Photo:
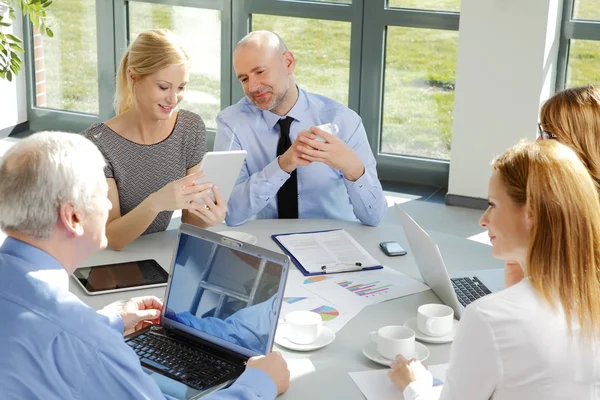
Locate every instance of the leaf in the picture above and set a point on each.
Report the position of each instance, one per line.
(49, 33)
(5, 24)
(9, 76)
(14, 38)
(16, 47)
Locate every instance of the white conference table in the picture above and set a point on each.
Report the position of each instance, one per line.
(331, 364)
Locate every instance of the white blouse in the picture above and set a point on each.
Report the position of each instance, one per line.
(511, 345)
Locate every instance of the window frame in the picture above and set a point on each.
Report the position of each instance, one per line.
(369, 20)
(572, 29)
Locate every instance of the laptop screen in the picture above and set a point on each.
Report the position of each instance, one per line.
(228, 296)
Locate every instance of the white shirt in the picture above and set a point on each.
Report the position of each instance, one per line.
(512, 345)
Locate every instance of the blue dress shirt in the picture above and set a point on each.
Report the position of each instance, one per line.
(323, 192)
(54, 346)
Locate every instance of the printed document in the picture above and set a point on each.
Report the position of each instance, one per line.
(332, 249)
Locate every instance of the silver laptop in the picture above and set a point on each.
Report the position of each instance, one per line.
(221, 307)
(456, 292)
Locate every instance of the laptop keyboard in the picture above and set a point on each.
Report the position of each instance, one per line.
(176, 360)
(468, 290)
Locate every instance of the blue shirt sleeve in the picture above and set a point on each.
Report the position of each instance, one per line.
(251, 385)
(113, 318)
(251, 193)
(366, 194)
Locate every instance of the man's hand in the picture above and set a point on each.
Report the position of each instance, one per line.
(291, 159)
(140, 312)
(333, 152)
(275, 366)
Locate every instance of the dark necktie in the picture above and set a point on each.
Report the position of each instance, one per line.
(287, 196)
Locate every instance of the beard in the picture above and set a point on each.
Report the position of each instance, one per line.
(276, 100)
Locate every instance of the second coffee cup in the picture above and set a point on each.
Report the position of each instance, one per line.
(393, 340)
(303, 327)
(435, 319)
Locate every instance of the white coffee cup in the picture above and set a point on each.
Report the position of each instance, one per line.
(393, 340)
(435, 319)
(303, 327)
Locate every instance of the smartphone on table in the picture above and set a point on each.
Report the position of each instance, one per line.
(392, 248)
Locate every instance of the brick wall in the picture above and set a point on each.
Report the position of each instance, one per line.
(40, 69)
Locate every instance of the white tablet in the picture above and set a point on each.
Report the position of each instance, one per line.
(222, 168)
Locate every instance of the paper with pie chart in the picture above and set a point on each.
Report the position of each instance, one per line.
(297, 297)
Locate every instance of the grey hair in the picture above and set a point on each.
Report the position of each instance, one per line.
(266, 38)
(42, 172)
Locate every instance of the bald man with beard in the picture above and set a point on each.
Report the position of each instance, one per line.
(294, 169)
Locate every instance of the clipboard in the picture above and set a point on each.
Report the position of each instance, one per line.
(333, 270)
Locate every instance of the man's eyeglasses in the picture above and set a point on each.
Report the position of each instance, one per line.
(544, 135)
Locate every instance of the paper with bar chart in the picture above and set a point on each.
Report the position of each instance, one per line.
(298, 297)
(360, 289)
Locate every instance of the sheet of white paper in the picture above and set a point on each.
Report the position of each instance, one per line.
(299, 367)
(298, 297)
(376, 385)
(333, 249)
(360, 289)
(482, 237)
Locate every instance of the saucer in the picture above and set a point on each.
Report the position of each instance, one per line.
(412, 324)
(370, 351)
(327, 336)
(241, 236)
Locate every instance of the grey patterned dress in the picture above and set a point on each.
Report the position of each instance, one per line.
(140, 170)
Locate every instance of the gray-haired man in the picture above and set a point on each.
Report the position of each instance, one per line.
(54, 207)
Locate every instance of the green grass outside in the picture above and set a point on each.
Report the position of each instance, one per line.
(420, 67)
(71, 57)
(144, 16)
(587, 9)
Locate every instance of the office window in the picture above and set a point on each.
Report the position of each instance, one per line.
(200, 32)
(584, 63)
(442, 5)
(586, 9)
(321, 49)
(418, 97)
(66, 66)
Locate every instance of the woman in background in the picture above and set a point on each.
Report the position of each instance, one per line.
(572, 117)
(153, 151)
(540, 338)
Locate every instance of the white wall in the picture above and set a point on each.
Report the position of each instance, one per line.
(506, 67)
(13, 99)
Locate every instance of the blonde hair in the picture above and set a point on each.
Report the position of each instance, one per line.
(573, 115)
(150, 52)
(563, 256)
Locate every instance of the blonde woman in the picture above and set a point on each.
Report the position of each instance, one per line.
(540, 338)
(153, 151)
(572, 117)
